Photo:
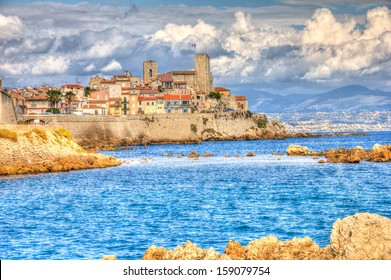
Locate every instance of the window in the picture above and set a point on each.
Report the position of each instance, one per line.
(147, 103)
(184, 110)
(139, 103)
(152, 103)
(125, 99)
(150, 73)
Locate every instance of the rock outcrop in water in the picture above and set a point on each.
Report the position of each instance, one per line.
(363, 236)
(27, 149)
(377, 154)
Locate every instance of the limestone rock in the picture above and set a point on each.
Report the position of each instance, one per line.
(345, 155)
(363, 236)
(296, 150)
(380, 153)
(190, 251)
(250, 154)
(154, 253)
(234, 250)
(109, 258)
(207, 155)
(193, 154)
(265, 248)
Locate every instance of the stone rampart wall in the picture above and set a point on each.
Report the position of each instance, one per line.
(7, 109)
(181, 128)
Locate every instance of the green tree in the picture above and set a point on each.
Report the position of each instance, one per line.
(87, 91)
(69, 96)
(53, 96)
(214, 94)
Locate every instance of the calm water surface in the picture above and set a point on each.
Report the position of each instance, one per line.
(167, 201)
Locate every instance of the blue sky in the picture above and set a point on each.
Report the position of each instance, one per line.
(280, 46)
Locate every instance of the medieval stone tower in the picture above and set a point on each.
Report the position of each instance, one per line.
(203, 74)
(150, 71)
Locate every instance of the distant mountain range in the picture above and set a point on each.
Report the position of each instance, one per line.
(348, 98)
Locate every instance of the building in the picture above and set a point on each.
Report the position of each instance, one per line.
(149, 71)
(199, 79)
(242, 103)
(115, 106)
(129, 100)
(222, 91)
(36, 105)
(147, 104)
(77, 89)
(203, 73)
(96, 107)
(177, 103)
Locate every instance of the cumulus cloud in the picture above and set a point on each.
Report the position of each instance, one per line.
(182, 37)
(10, 27)
(91, 67)
(44, 65)
(269, 45)
(113, 65)
(341, 49)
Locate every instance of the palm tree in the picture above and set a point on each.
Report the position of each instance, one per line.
(53, 96)
(87, 91)
(69, 96)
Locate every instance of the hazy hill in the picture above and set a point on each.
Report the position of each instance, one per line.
(348, 98)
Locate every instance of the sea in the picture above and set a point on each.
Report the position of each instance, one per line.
(152, 199)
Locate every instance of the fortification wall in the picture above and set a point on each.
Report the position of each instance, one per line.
(182, 128)
(7, 109)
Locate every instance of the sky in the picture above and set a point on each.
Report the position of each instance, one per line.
(279, 46)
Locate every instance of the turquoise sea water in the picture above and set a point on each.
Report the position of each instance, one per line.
(166, 201)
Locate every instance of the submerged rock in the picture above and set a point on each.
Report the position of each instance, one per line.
(193, 154)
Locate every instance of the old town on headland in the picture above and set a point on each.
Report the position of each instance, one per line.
(179, 91)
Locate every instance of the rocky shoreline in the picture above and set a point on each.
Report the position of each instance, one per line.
(363, 236)
(378, 153)
(37, 150)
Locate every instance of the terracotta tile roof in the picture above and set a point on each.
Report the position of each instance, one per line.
(221, 89)
(97, 101)
(126, 88)
(146, 98)
(177, 97)
(72, 86)
(241, 98)
(180, 83)
(149, 91)
(115, 99)
(165, 78)
(37, 98)
(111, 81)
(93, 106)
(182, 72)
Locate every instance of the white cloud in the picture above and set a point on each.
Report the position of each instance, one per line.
(181, 37)
(91, 67)
(284, 44)
(341, 49)
(45, 65)
(113, 65)
(10, 27)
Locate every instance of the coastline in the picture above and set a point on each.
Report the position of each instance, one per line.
(44, 149)
(363, 236)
